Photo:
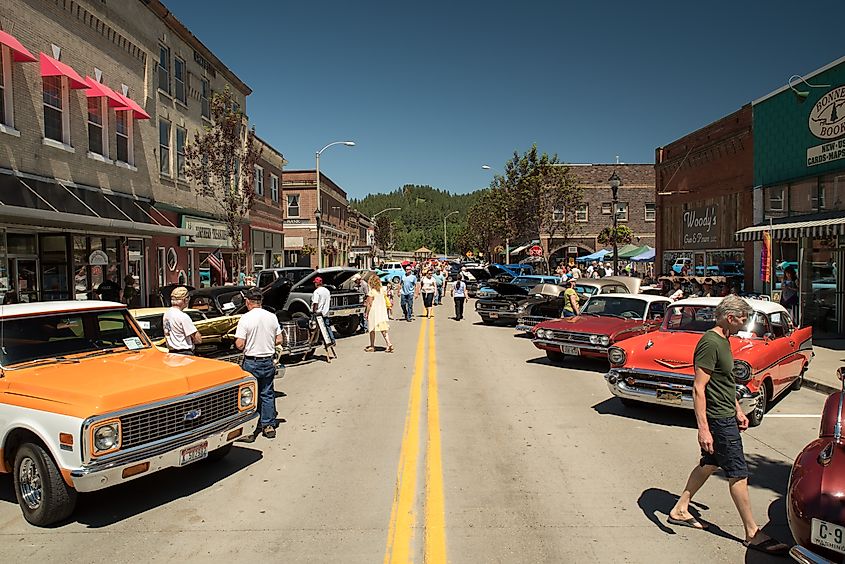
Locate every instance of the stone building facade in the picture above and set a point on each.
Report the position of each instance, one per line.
(266, 219)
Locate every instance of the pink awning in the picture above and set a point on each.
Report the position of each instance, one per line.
(52, 67)
(19, 52)
(130, 104)
(97, 90)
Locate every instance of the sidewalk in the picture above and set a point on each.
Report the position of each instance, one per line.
(830, 355)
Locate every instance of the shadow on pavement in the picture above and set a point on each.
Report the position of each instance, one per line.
(650, 413)
(778, 528)
(656, 504)
(577, 363)
(112, 505)
(766, 473)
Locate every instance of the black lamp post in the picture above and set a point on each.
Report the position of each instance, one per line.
(615, 183)
(318, 215)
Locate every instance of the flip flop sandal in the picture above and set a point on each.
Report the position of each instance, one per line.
(768, 546)
(389, 349)
(369, 349)
(692, 523)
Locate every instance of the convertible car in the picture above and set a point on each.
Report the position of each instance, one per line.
(771, 356)
(215, 330)
(605, 320)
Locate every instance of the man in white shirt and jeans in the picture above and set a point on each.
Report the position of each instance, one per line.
(257, 334)
(321, 301)
(179, 331)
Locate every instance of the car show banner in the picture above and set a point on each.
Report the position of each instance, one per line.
(766, 257)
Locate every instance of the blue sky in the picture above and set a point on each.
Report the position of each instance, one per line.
(430, 91)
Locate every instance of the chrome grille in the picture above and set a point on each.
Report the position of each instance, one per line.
(346, 300)
(293, 335)
(533, 320)
(165, 421)
(658, 380)
(568, 337)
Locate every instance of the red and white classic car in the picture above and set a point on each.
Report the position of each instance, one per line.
(770, 357)
(605, 319)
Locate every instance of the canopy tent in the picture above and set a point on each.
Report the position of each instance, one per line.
(627, 251)
(647, 256)
(598, 255)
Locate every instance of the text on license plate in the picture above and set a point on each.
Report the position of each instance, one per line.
(193, 453)
(669, 396)
(570, 350)
(828, 535)
(494, 315)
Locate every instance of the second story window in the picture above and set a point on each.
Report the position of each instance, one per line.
(259, 181)
(650, 211)
(164, 147)
(622, 211)
(558, 215)
(181, 136)
(123, 134)
(582, 213)
(164, 68)
(205, 94)
(274, 187)
(606, 208)
(55, 127)
(96, 132)
(293, 205)
(776, 198)
(4, 92)
(179, 80)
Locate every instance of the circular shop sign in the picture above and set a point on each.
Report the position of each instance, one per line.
(827, 118)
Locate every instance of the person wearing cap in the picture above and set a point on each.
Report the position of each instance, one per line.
(707, 290)
(179, 331)
(257, 334)
(409, 290)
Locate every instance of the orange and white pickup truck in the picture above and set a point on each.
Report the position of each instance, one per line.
(87, 402)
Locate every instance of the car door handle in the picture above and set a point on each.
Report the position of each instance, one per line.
(791, 343)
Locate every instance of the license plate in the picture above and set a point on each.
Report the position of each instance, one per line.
(494, 316)
(570, 350)
(828, 535)
(669, 396)
(193, 453)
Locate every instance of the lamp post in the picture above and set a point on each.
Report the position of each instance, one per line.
(615, 183)
(319, 203)
(445, 250)
(507, 239)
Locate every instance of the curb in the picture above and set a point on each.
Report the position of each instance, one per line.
(820, 387)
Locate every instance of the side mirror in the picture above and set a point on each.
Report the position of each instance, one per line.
(840, 373)
(768, 336)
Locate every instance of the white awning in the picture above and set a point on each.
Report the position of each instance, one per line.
(808, 228)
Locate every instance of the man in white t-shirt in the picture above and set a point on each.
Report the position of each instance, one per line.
(321, 301)
(575, 272)
(257, 334)
(179, 331)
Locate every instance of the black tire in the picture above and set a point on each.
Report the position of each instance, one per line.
(487, 321)
(799, 382)
(759, 411)
(299, 315)
(395, 279)
(219, 454)
(555, 356)
(348, 326)
(44, 497)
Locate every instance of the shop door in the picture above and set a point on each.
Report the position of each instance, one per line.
(700, 269)
(24, 276)
(135, 268)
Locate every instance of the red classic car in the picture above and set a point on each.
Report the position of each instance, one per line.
(814, 505)
(605, 319)
(770, 357)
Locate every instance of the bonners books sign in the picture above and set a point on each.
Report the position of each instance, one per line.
(206, 233)
(700, 227)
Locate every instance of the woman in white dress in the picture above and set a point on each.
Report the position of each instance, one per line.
(428, 286)
(376, 312)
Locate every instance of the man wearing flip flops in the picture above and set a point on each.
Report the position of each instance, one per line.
(720, 421)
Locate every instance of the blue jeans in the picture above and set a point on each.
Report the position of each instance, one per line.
(408, 306)
(264, 370)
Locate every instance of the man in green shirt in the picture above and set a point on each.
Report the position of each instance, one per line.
(720, 420)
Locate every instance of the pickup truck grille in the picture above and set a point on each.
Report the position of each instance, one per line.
(344, 300)
(149, 425)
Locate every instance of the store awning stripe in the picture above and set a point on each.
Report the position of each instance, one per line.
(815, 228)
(19, 52)
(69, 191)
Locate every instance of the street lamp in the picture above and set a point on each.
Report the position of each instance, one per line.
(445, 250)
(319, 203)
(615, 183)
(507, 239)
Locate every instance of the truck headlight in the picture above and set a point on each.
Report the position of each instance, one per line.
(616, 356)
(105, 437)
(741, 371)
(540, 333)
(246, 396)
(512, 307)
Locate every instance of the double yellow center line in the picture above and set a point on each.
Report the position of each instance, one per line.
(400, 548)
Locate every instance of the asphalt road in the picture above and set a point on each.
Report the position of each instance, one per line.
(466, 445)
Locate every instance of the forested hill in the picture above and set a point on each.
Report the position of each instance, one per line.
(420, 221)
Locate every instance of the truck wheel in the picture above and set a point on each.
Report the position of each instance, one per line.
(395, 279)
(298, 315)
(555, 356)
(487, 321)
(348, 326)
(42, 493)
(759, 411)
(219, 453)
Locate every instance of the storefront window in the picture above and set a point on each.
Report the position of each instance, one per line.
(775, 201)
(833, 192)
(820, 309)
(54, 268)
(94, 260)
(21, 244)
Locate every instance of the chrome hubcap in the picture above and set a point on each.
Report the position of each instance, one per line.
(760, 410)
(30, 483)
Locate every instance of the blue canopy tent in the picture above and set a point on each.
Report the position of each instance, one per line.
(647, 256)
(598, 255)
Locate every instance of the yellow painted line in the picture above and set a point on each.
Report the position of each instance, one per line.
(402, 518)
(435, 515)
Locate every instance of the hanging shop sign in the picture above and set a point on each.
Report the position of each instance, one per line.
(699, 227)
(205, 233)
(98, 258)
(827, 121)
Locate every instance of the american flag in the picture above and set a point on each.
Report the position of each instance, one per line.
(216, 261)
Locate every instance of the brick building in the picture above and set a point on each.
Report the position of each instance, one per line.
(97, 105)
(266, 219)
(299, 188)
(361, 239)
(636, 208)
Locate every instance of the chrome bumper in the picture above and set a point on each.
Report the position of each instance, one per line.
(806, 556)
(622, 389)
(99, 475)
(346, 311)
(580, 346)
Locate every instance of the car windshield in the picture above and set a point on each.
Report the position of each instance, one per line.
(295, 275)
(526, 281)
(698, 319)
(629, 308)
(586, 290)
(27, 339)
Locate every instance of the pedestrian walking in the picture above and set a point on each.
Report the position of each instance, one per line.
(720, 420)
(321, 301)
(180, 333)
(408, 291)
(257, 335)
(438, 282)
(789, 291)
(364, 288)
(428, 287)
(376, 311)
(391, 298)
(459, 293)
(677, 291)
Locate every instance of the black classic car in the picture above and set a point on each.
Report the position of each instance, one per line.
(504, 306)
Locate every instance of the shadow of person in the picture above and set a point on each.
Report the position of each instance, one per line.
(777, 527)
(656, 505)
(766, 473)
(657, 414)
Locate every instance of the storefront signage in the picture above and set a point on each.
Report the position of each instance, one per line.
(206, 233)
(826, 152)
(827, 118)
(360, 249)
(294, 242)
(699, 228)
(98, 258)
